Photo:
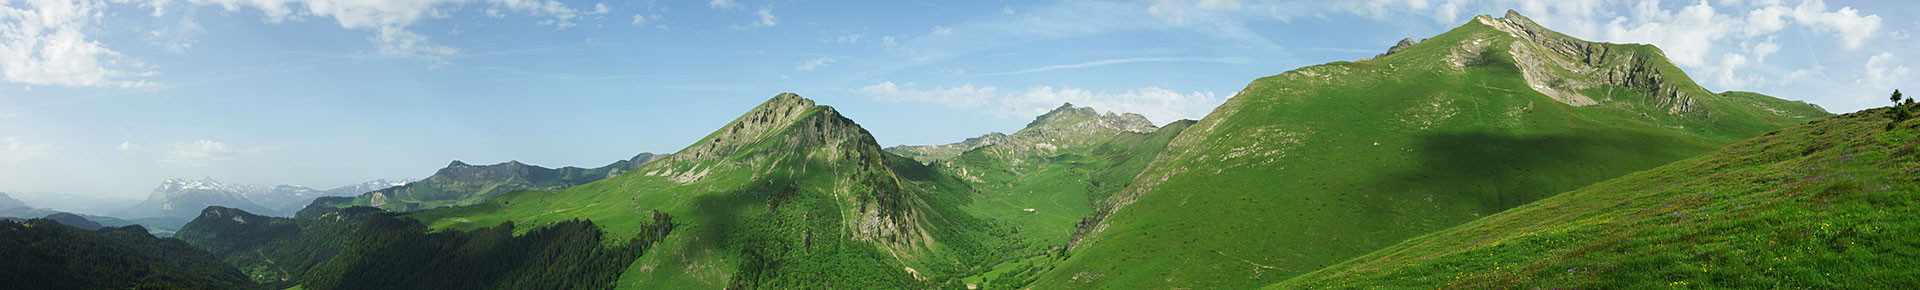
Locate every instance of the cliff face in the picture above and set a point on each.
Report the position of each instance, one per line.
(1560, 66)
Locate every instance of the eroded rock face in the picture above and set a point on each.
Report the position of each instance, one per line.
(1560, 66)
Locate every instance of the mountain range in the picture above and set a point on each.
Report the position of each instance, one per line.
(1340, 159)
(7, 202)
(1499, 154)
(184, 198)
(462, 184)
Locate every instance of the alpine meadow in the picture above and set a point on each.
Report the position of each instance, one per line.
(958, 145)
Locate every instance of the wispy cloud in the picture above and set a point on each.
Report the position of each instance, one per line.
(17, 151)
(202, 152)
(963, 97)
(390, 21)
(1107, 62)
(815, 63)
(766, 20)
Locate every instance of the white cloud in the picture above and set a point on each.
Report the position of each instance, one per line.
(962, 97)
(46, 43)
(177, 38)
(723, 4)
(599, 8)
(17, 151)
(1853, 28)
(1219, 5)
(639, 19)
(1687, 36)
(389, 20)
(396, 41)
(850, 38)
(942, 30)
(1882, 73)
(1157, 104)
(1763, 49)
(128, 146)
(815, 63)
(766, 18)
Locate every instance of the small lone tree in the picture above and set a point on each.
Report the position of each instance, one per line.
(1899, 111)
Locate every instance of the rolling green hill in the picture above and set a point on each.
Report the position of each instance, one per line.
(462, 184)
(1823, 205)
(789, 195)
(1324, 163)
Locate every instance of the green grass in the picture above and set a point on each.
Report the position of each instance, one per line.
(1061, 185)
(1316, 166)
(789, 208)
(1824, 205)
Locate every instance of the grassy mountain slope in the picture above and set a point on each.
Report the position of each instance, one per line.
(45, 254)
(1823, 205)
(1058, 166)
(789, 195)
(1321, 164)
(462, 184)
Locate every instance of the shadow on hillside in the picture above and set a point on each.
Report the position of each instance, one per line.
(1495, 172)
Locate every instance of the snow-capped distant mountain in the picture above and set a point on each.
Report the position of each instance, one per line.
(185, 198)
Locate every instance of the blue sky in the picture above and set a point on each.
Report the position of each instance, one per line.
(109, 97)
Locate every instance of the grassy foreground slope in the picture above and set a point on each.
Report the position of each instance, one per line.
(1824, 205)
(789, 195)
(1321, 164)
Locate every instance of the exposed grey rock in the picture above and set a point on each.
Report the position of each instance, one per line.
(1559, 66)
(1397, 47)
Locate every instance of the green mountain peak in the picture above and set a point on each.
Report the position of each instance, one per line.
(1337, 160)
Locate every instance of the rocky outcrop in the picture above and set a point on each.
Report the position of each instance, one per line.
(780, 111)
(1397, 47)
(1560, 66)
